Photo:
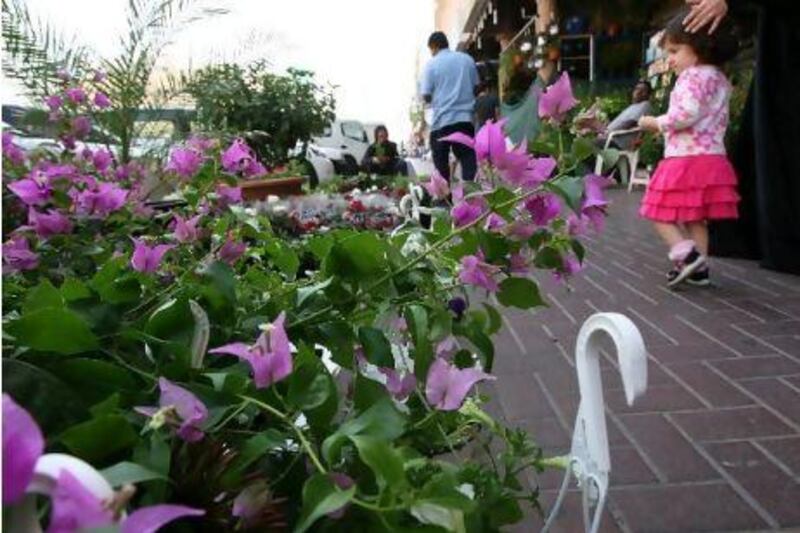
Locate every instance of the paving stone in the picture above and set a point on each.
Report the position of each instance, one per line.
(752, 367)
(786, 450)
(569, 519)
(689, 352)
(522, 397)
(788, 343)
(705, 382)
(655, 377)
(657, 399)
(672, 455)
(628, 468)
(708, 507)
(772, 328)
(775, 491)
(734, 423)
(777, 395)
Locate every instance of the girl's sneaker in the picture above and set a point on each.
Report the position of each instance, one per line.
(698, 278)
(693, 262)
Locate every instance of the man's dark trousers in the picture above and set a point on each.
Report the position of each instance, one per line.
(464, 154)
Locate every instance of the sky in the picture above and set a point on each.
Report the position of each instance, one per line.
(368, 48)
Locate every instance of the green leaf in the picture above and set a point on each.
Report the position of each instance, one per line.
(74, 289)
(219, 287)
(522, 293)
(99, 438)
(382, 421)
(577, 247)
(437, 515)
(500, 196)
(320, 246)
(548, 257)
(367, 392)
(127, 472)
(582, 148)
(376, 346)
(304, 293)
(308, 388)
(495, 319)
(570, 188)
(610, 157)
(382, 458)
(115, 283)
(356, 258)
(320, 497)
(54, 330)
(251, 451)
(283, 257)
(95, 378)
(42, 296)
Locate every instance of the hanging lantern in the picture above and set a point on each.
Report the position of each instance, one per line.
(494, 17)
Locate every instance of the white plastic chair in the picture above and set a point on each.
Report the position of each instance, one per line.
(635, 176)
(589, 457)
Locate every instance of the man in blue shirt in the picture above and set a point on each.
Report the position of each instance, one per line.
(448, 85)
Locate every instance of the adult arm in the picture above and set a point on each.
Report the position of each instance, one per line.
(705, 13)
(368, 155)
(426, 84)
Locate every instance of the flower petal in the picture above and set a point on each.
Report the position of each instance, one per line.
(151, 519)
(23, 444)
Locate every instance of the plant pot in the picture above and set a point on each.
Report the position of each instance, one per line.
(260, 189)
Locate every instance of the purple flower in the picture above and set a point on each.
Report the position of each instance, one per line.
(543, 208)
(448, 385)
(100, 200)
(228, 195)
(23, 444)
(475, 272)
(467, 211)
(33, 190)
(254, 169)
(557, 99)
(101, 160)
(186, 230)
(63, 75)
(17, 256)
(447, 347)
(399, 387)
(537, 171)
(270, 357)
(54, 102)
(76, 95)
(494, 222)
(437, 187)
(518, 264)
(576, 224)
(236, 157)
(99, 76)
(101, 100)
(68, 141)
(147, 259)
(343, 482)
(185, 162)
(48, 224)
(569, 267)
(520, 230)
(200, 144)
(11, 151)
(182, 408)
(55, 172)
(457, 305)
(75, 508)
(231, 251)
(80, 127)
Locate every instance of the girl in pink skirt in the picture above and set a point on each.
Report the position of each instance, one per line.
(695, 182)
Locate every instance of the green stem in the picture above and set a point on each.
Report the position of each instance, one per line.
(230, 417)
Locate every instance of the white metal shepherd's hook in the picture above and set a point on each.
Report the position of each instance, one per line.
(589, 455)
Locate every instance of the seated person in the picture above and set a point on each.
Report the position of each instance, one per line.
(381, 157)
(629, 117)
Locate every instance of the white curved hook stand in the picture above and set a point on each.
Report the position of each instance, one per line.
(589, 455)
(411, 204)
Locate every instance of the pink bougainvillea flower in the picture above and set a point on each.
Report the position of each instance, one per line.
(236, 157)
(200, 143)
(11, 151)
(48, 224)
(557, 99)
(80, 127)
(537, 171)
(467, 211)
(23, 444)
(570, 265)
(494, 222)
(228, 195)
(447, 385)
(18, 256)
(32, 190)
(185, 162)
(231, 251)
(437, 187)
(75, 508)
(101, 100)
(343, 482)
(543, 208)
(182, 408)
(147, 259)
(270, 357)
(99, 200)
(254, 169)
(56, 172)
(186, 230)
(102, 159)
(400, 386)
(99, 76)
(447, 347)
(520, 230)
(68, 141)
(593, 185)
(54, 102)
(474, 271)
(76, 95)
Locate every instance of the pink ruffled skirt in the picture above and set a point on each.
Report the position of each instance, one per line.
(690, 189)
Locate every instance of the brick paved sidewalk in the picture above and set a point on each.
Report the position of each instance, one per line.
(714, 445)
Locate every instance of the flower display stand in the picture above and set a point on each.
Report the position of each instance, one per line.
(261, 189)
(589, 455)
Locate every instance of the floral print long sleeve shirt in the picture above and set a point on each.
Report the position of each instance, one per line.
(697, 117)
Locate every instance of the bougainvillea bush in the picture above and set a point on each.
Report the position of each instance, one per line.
(220, 375)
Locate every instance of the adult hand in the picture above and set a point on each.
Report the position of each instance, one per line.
(649, 123)
(703, 13)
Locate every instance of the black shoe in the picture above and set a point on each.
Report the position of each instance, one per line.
(698, 278)
(691, 264)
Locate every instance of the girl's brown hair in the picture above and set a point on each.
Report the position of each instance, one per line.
(715, 49)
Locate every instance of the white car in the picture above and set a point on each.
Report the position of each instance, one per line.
(349, 140)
